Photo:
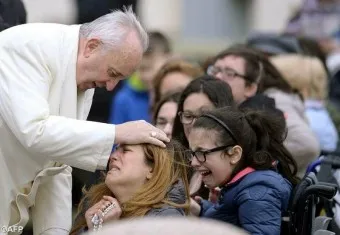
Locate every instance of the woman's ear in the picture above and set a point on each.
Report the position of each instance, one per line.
(235, 154)
(149, 174)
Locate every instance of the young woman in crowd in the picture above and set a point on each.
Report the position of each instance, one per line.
(243, 154)
(165, 113)
(202, 94)
(142, 180)
(173, 77)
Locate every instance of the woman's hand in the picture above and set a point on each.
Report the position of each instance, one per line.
(195, 207)
(214, 194)
(195, 183)
(99, 208)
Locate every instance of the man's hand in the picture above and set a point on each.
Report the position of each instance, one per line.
(139, 132)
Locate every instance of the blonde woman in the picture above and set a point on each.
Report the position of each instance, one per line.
(308, 76)
(142, 180)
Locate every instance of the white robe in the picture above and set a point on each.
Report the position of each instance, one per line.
(42, 127)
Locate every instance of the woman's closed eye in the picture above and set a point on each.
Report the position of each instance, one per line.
(161, 121)
(125, 149)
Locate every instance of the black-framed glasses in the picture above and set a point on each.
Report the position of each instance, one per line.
(187, 118)
(201, 155)
(227, 73)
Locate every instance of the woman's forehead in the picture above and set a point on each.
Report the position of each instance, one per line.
(203, 138)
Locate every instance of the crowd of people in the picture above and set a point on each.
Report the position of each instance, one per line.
(226, 139)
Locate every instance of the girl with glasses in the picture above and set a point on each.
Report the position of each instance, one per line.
(202, 94)
(243, 154)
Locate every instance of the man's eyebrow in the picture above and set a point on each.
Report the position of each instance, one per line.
(116, 71)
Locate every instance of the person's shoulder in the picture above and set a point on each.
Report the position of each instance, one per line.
(125, 94)
(32, 28)
(166, 211)
(281, 96)
(25, 35)
(266, 180)
(264, 176)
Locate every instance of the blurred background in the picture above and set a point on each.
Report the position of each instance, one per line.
(196, 28)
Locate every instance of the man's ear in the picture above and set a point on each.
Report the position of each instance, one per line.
(235, 154)
(91, 46)
(250, 90)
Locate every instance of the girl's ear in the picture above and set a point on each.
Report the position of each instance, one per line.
(235, 154)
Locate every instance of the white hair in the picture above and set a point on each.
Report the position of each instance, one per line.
(113, 28)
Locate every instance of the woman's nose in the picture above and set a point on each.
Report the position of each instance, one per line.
(115, 155)
(194, 162)
(168, 129)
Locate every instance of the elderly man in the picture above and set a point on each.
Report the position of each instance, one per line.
(46, 75)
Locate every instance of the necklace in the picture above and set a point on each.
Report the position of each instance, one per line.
(98, 221)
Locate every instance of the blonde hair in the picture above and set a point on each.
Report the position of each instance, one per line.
(303, 73)
(169, 166)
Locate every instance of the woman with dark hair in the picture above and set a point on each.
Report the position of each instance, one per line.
(243, 154)
(202, 94)
(249, 73)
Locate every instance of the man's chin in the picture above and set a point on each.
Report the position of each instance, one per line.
(82, 88)
(86, 87)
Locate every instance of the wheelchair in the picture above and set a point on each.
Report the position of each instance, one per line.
(302, 217)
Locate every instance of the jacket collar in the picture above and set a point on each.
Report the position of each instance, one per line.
(240, 175)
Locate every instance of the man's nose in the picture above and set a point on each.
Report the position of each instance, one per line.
(219, 75)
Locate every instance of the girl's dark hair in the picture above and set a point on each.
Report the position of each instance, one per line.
(172, 97)
(258, 68)
(218, 92)
(260, 135)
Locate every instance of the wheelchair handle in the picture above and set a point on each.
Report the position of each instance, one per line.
(320, 190)
(334, 162)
